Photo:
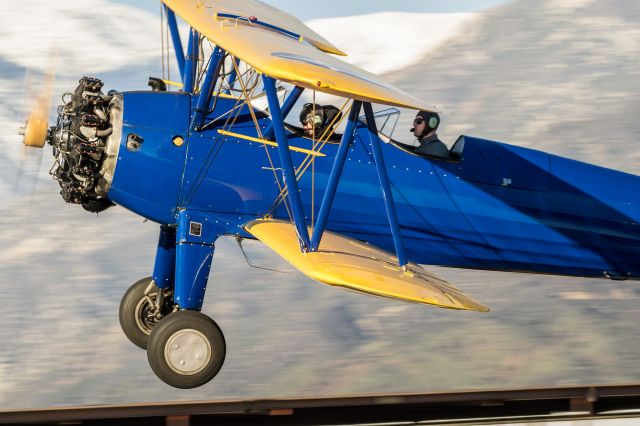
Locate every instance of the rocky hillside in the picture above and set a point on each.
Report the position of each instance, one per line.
(560, 76)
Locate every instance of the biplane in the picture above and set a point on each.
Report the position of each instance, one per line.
(350, 207)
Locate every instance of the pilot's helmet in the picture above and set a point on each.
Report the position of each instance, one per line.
(431, 120)
(312, 115)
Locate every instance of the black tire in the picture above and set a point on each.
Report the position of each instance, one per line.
(133, 312)
(190, 339)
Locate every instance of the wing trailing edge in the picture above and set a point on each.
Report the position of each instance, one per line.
(345, 262)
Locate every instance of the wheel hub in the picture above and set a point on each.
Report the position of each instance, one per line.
(148, 313)
(145, 318)
(187, 352)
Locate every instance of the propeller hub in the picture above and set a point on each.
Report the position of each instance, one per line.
(34, 133)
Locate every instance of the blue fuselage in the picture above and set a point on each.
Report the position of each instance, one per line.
(496, 206)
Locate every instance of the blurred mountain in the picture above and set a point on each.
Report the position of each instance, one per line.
(558, 76)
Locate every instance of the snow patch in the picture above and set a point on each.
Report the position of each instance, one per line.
(103, 37)
(388, 41)
(568, 5)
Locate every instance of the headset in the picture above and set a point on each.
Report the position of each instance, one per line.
(433, 122)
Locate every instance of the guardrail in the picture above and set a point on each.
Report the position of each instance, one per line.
(476, 407)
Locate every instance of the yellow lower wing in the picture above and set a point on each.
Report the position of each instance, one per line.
(345, 262)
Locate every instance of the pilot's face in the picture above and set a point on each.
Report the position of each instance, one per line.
(311, 122)
(308, 128)
(418, 126)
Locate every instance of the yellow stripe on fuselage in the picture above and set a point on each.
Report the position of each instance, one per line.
(266, 142)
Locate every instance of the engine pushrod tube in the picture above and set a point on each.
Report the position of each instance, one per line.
(210, 79)
(334, 178)
(191, 61)
(175, 38)
(286, 162)
(387, 196)
(286, 108)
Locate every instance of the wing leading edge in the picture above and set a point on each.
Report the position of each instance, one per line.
(345, 262)
(189, 10)
(287, 58)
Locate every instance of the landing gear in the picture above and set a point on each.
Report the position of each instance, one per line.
(186, 350)
(141, 310)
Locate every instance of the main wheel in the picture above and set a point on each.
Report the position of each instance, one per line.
(138, 311)
(186, 349)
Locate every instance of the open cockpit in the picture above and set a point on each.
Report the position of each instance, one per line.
(387, 122)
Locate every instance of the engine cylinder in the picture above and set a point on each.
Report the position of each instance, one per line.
(79, 142)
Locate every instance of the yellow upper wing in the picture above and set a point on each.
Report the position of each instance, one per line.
(288, 59)
(187, 9)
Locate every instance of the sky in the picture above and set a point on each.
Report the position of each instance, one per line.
(305, 9)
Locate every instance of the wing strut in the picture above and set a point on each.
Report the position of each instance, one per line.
(191, 62)
(175, 38)
(286, 162)
(336, 172)
(210, 79)
(286, 109)
(334, 178)
(277, 126)
(384, 184)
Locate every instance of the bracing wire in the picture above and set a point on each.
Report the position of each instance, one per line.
(230, 121)
(248, 82)
(246, 258)
(200, 66)
(166, 33)
(309, 159)
(313, 165)
(162, 48)
(211, 156)
(247, 97)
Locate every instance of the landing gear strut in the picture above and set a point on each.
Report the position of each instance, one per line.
(185, 348)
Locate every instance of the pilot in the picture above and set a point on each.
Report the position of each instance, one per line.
(424, 128)
(313, 119)
(316, 119)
